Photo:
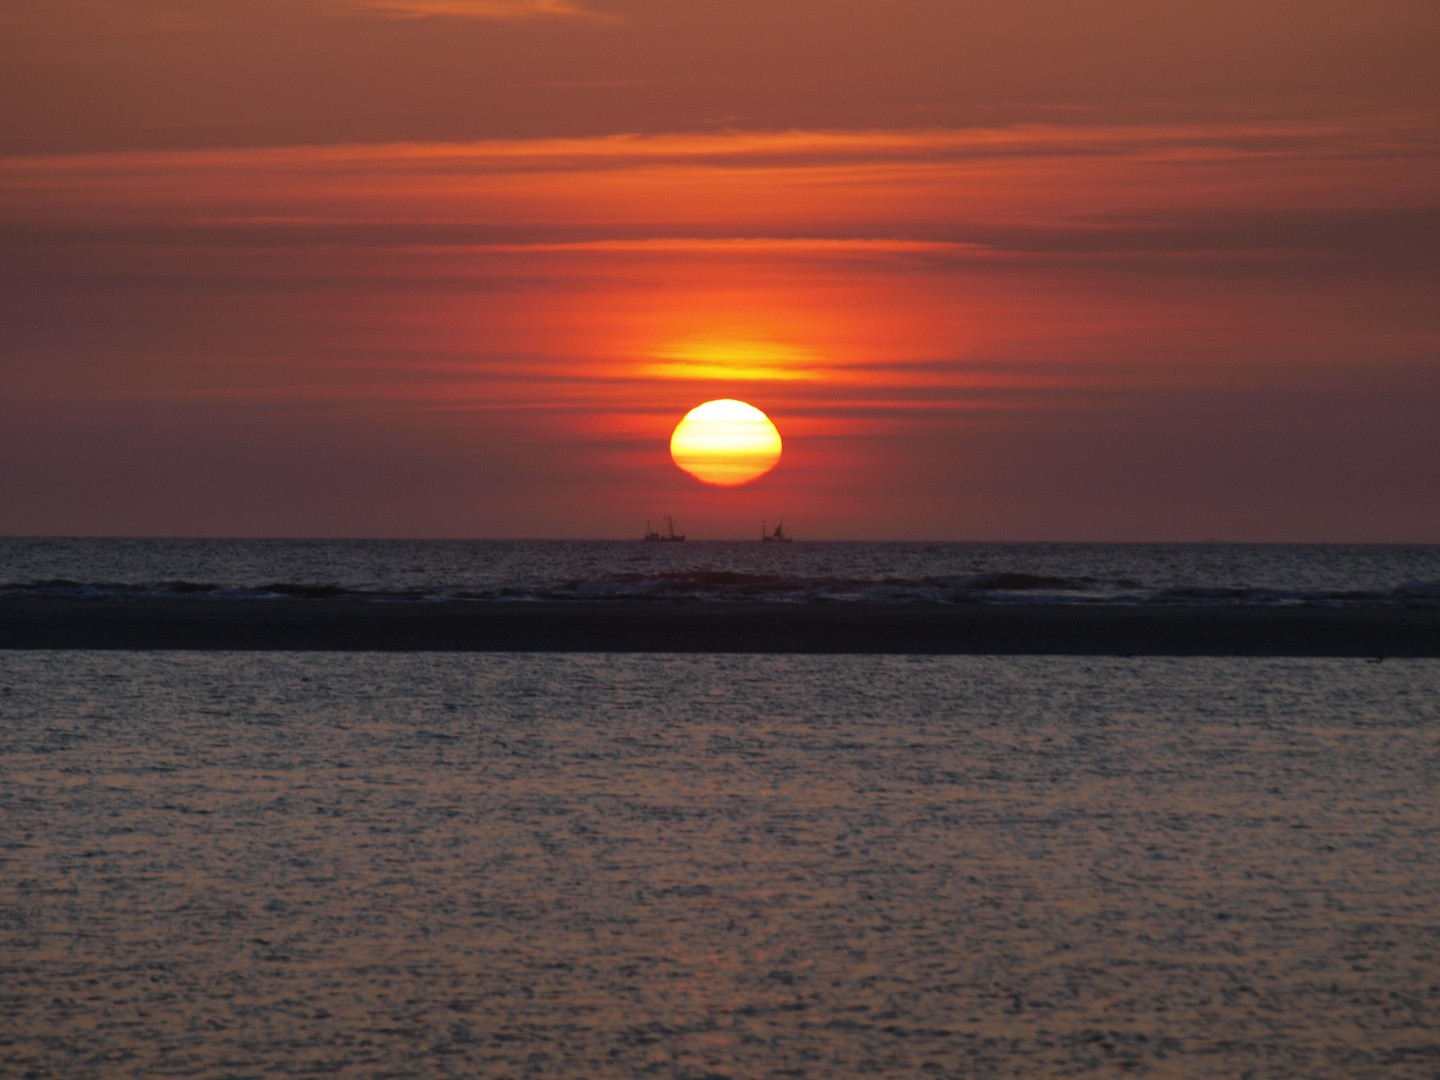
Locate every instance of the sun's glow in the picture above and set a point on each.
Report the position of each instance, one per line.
(732, 360)
(726, 443)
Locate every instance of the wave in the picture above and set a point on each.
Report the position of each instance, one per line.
(727, 585)
(63, 588)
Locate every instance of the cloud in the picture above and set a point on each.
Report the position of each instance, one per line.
(491, 10)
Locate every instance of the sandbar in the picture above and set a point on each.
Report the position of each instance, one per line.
(639, 626)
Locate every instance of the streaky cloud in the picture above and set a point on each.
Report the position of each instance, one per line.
(486, 10)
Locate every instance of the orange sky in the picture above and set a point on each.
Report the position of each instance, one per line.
(455, 268)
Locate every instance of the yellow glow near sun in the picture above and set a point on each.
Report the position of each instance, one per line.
(732, 360)
(726, 443)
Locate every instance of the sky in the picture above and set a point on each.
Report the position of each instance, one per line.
(1021, 270)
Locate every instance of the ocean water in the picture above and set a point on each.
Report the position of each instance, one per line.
(799, 572)
(419, 865)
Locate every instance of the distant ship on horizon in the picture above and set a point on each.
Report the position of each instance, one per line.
(651, 536)
(779, 536)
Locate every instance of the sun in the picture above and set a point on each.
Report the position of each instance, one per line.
(726, 443)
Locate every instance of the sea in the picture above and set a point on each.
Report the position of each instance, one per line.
(717, 571)
(261, 864)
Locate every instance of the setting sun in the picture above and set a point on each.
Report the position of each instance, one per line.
(726, 443)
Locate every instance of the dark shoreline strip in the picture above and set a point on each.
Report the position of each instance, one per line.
(622, 626)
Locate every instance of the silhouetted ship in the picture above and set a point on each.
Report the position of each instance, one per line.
(779, 536)
(651, 536)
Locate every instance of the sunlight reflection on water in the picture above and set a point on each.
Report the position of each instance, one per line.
(551, 865)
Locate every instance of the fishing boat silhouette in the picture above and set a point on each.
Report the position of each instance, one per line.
(651, 536)
(779, 536)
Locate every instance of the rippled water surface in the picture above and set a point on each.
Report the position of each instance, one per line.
(413, 865)
(1187, 574)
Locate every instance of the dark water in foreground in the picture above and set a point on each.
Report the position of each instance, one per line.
(363, 865)
(1172, 574)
